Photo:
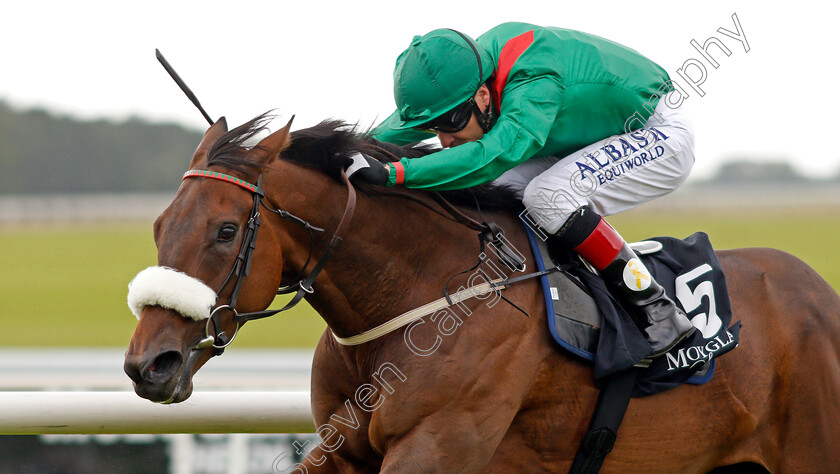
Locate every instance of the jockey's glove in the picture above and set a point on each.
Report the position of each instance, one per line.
(367, 169)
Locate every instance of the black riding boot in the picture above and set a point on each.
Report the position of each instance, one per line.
(665, 325)
(662, 322)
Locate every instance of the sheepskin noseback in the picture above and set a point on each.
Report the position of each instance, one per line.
(171, 289)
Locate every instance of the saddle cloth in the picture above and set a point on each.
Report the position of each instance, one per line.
(587, 321)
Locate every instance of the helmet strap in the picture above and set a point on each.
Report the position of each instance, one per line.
(485, 118)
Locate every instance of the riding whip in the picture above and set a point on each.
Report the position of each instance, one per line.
(174, 75)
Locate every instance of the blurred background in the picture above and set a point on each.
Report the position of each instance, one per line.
(94, 137)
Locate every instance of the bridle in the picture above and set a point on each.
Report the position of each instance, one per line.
(217, 339)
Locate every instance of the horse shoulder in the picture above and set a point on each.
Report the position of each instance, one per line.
(341, 424)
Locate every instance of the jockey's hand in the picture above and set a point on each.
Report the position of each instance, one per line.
(368, 169)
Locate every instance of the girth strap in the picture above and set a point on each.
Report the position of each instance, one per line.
(603, 427)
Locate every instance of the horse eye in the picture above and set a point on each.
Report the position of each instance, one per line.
(226, 233)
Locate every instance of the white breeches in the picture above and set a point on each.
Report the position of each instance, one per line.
(611, 175)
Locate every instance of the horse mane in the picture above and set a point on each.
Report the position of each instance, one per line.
(327, 147)
(230, 150)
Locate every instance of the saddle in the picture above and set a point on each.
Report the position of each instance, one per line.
(585, 319)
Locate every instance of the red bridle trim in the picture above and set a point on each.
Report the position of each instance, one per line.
(220, 176)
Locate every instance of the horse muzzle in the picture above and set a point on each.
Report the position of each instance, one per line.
(162, 358)
(165, 377)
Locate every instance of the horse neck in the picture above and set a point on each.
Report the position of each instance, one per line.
(396, 254)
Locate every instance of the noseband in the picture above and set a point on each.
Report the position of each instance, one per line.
(217, 339)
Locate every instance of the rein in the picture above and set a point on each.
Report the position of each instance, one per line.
(452, 213)
(218, 340)
(488, 232)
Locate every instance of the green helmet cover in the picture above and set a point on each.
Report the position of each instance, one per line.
(437, 72)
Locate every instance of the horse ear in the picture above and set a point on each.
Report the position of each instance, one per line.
(210, 137)
(269, 148)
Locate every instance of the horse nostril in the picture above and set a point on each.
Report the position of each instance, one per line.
(163, 366)
(132, 369)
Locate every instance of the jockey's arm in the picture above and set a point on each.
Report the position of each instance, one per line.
(526, 119)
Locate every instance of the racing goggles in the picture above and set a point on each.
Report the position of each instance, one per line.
(453, 121)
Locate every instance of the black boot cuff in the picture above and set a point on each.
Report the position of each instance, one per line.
(578, 227)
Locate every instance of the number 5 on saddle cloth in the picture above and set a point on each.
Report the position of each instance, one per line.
(588, 322)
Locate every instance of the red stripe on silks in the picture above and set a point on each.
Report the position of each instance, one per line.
(602, 246)
(400, 177)
(507, 58)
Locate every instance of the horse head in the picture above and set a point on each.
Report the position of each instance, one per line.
(204, 255)
(190, 305)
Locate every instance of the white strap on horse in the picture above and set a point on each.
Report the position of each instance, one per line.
(642, 248)
(417, 313)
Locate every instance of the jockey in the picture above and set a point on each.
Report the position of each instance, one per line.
(579, 126)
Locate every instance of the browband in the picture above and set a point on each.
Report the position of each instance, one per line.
(224, 177)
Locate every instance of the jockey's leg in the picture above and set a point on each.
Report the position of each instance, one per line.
(664, 324)
(605, 178)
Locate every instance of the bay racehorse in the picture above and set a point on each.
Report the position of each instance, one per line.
(483, 388)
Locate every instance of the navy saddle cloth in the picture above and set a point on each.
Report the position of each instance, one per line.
(586, 320)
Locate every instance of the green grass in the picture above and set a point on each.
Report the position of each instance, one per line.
(65, 285)
(811, 235)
